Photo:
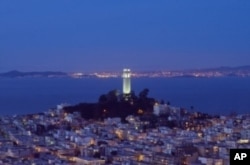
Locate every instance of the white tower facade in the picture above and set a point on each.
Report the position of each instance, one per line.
(126, 75)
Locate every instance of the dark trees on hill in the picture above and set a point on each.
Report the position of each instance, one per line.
(144, 94)
(103, 99)
(111, 97)
(144, 102)
(112, 105)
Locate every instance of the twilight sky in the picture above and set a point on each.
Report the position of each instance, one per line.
(96, 35)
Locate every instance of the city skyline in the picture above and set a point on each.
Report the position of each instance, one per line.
(105, 36)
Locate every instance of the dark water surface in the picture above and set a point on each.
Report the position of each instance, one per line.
(211, 95)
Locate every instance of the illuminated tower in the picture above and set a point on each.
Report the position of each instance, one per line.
(126, 82)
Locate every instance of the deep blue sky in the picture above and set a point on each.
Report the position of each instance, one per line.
(91, 35)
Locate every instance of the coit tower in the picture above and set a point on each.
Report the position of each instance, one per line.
(126, 81)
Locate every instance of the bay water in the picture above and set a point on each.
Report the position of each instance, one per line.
(209, 95)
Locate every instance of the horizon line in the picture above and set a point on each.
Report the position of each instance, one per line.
(135, 70)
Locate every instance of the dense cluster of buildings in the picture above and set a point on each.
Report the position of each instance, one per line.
(55, 137)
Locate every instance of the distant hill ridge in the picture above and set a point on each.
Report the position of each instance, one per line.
(16, 73)
(227, 68)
